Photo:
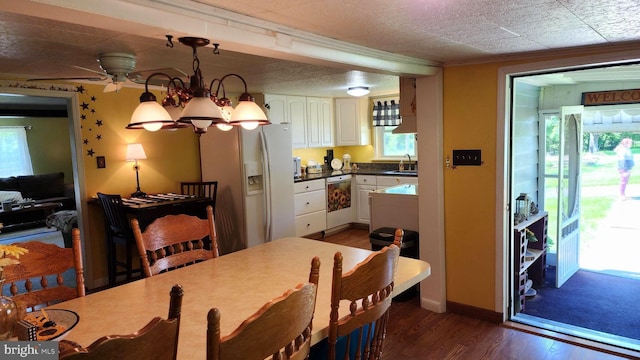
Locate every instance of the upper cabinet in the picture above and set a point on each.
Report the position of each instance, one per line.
(320, 122)
(311, 118)
(277, 105)
(352, 124)
(297, 112)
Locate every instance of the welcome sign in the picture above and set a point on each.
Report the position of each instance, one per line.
(612, 97)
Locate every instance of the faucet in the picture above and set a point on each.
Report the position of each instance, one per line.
(409, 156)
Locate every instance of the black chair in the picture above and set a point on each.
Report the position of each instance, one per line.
(119, 233)
(208, 189)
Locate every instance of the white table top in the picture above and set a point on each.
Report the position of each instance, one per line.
(238, 284)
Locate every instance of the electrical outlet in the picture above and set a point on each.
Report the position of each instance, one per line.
(467, 157)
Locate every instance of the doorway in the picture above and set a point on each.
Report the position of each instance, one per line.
(75, 134)
(546, 202)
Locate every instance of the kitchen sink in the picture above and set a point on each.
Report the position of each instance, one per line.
(402, 172)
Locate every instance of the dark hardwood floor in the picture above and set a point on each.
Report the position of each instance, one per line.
(415, 333)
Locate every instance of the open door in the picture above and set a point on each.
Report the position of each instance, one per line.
(568, 228)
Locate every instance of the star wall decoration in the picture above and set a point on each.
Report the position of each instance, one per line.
(80, 89)
(99, 137)
(85, 141)
(83, 117)
(99, 122)
(85, 106)
(90, 152)
(93, 98)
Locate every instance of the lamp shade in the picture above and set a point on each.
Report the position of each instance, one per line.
(249, 115)
(135, 152)
(202, 112)
(149, 115)
(358, 91)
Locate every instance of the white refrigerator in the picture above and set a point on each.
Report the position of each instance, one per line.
(254, 170)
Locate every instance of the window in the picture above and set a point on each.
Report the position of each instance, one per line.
(14, 152)
(389, 146)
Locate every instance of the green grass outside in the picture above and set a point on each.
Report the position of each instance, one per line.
(597, 171)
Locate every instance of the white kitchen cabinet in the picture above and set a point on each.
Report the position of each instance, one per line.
(292, 110)
(311, 118)
(352, 125)
(383, 182)
(310, 198)
(297, 113)
(364, 185)
(277, 105)
(320, 122)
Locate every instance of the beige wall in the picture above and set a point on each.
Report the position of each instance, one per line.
(49, 144)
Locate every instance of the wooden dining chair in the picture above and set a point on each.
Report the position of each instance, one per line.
(174, 241)
(281, 329)
(45, 274)
(118, 235)
(367, 287)
(158, 340)
(208, 189)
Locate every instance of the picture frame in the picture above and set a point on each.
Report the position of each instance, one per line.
(101, 162)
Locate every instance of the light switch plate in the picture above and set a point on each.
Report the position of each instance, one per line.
(467, 158)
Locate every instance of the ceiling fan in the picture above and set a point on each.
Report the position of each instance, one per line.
(118, 69)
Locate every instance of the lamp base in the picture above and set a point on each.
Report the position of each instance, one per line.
(139, 194)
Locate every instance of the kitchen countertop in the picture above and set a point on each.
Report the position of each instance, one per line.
(377, 172)
(404, 189)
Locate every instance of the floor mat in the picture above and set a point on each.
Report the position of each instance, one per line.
(590, 300)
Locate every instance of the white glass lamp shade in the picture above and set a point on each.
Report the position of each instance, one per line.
(149, 115)
(135, 152)
(249, 115)
(202, 112)
(358, 91)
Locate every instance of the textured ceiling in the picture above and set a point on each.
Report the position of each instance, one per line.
(41, 38)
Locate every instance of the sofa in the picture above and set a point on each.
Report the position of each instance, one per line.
(43, 188)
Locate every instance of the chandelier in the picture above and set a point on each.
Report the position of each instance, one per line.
(196, 105)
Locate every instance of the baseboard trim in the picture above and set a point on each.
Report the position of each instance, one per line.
(474, 312)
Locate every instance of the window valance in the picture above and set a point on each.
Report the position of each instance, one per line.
(386, 113)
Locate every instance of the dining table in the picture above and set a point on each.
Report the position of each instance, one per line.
(238, 284)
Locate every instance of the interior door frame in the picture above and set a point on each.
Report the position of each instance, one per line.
(503, 227)
(75, 134)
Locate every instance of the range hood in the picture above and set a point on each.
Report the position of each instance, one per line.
(407, 107)
(408, 125)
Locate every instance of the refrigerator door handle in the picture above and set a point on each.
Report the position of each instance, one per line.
(267, 187)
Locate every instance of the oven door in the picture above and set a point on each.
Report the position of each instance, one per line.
(339, 195)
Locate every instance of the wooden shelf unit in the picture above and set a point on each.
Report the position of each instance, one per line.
(533, 268)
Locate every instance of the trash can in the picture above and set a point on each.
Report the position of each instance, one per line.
(382, 237)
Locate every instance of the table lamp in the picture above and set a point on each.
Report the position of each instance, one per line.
(135, 152)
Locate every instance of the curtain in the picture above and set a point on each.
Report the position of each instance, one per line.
(14, 152)
(386, 113)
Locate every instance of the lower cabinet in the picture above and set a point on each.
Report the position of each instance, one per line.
(310, 205)
(364, 185)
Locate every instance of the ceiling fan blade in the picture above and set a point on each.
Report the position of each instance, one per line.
(140, 77)
(110, 87)
(70, 78)
(91, 70)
